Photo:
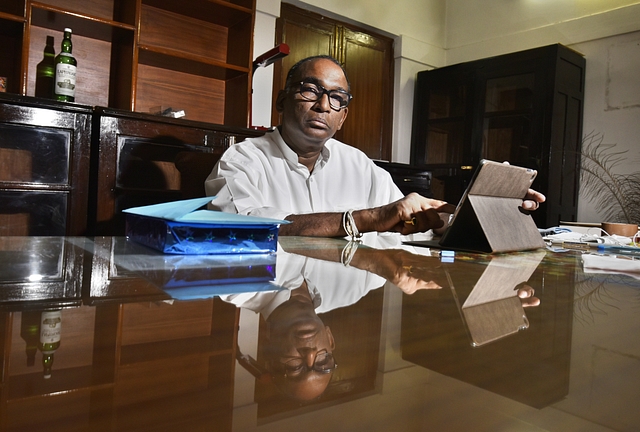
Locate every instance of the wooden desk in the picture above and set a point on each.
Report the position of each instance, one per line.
(131, 358)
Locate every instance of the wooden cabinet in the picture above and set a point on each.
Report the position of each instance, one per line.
(524, 107)
(139, 54)
(44, 167)
(141, 159)
(68, 169)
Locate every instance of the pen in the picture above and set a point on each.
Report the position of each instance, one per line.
(623, 250)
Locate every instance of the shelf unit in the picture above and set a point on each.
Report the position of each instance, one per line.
(139, 54)
(523, 107)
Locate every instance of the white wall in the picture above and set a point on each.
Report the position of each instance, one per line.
(267, 11)
(606, 32)
(434, 33)
(612, 102)
(481, 28)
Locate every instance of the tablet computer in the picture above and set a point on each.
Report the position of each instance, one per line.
(489, 217)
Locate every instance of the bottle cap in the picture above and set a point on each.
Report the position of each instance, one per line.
(67, 30)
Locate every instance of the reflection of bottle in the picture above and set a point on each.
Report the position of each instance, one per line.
(30, 333)
(45, 71)
(65, 82)
(50, 332)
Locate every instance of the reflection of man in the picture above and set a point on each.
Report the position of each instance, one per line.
(300, 173)
(299, 346)
(397, 263)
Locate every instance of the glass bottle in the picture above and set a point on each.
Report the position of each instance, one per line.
(30, 333)
(45, 71)
(66, 65)
(50, 335)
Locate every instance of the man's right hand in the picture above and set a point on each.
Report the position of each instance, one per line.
(411, 214)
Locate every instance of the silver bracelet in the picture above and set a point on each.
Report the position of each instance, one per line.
(349, 225)
(348, 252)
(345, 227)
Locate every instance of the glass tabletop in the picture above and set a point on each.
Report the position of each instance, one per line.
(103, 334)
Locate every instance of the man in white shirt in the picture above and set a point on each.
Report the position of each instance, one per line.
(324, 187)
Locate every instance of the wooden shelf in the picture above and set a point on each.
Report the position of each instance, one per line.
(134, 55)
(29, 386)
(222, 13)
(54, 18)
(180, 61)
(12, 8)
(10, 17)
(122, 11)
(188, 347)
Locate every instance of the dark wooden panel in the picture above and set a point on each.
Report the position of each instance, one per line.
(368, 62)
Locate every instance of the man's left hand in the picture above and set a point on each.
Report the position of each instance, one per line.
(532, 200)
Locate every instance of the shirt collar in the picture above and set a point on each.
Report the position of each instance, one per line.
(292, 157)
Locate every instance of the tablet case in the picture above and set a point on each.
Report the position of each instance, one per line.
(493, 309)
(489, 217)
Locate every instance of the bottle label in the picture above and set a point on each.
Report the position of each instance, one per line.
(65, 79)
(50, 327)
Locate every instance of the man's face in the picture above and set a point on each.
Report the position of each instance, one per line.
(296, 332)
(307, 125)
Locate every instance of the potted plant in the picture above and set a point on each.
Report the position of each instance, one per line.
(615, 196)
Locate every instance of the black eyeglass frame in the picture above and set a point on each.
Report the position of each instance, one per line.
(314, 367)
(323, 91)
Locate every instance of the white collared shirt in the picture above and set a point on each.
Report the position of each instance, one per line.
(262, 177)
(331, 285)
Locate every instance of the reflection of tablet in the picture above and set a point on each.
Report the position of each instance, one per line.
(489, 217)
(493, 310)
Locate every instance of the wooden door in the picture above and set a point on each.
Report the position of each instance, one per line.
(368, 60)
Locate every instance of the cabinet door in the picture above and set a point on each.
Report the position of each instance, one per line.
(145, 159)
(442, 129)
(511, 106)
(44, 169)
(442, 118)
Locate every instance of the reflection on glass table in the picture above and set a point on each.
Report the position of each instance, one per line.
(129, 356)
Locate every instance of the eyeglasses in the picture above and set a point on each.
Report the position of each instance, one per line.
(338, 99)
(323, 363)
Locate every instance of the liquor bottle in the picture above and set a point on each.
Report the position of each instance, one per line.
(46, 71)
(66, 66)
(30, 333)
(50, 334)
